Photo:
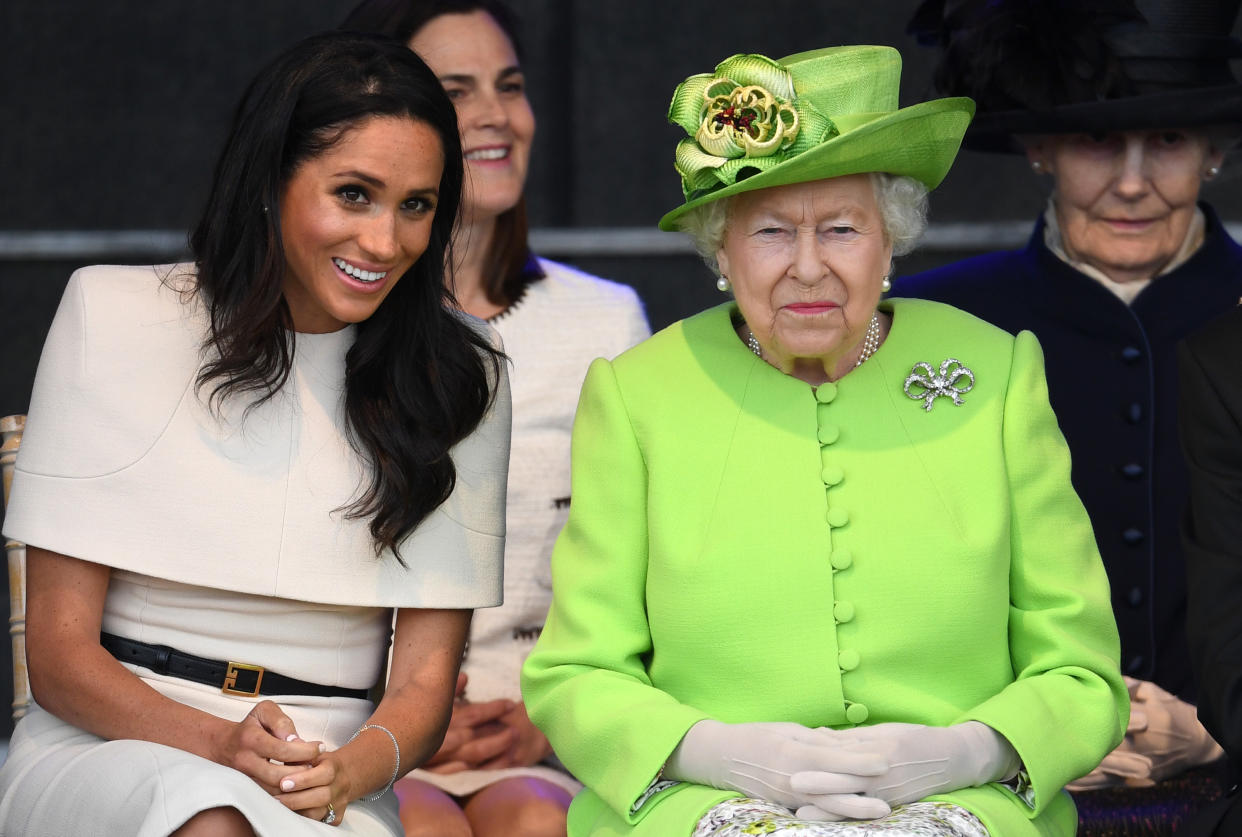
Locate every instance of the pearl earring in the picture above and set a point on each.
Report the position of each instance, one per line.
(1037, 167)
(722, 285)
(886, 284)
(1211, 172)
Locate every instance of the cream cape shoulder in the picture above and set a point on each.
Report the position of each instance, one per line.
(130, 337)
(123, 464)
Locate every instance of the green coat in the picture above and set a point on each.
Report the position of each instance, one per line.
(746, 548)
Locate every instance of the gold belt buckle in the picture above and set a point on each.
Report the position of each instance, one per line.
(230, 679)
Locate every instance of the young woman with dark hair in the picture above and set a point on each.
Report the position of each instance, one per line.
(297, 448)
(495, 265)
(496, 773)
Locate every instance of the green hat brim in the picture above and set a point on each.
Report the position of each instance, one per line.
(919, 141)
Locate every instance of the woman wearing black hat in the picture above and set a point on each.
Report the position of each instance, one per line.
(1129, 108)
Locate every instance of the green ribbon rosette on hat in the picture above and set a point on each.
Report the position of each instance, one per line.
(743, 118)
(756, 123)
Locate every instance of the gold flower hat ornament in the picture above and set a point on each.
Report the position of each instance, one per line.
(755, 123)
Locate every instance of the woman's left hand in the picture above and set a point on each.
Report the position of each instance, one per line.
(406, 727)
(310, 791)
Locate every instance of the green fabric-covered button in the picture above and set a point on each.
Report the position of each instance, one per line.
(843, 611)
(841, 559)
(829, 433)
(837, 516)
(824, 393)
(856, 713)
(831, 474)
(848, 659)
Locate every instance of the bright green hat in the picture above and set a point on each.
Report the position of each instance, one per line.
(755, 123)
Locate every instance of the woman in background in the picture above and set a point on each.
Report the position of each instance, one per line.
(496, 773)
(1210, 414)
(241, 477)
(1123, 263)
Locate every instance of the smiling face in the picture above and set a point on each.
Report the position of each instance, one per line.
(806, 262)
(478, 67)
(1125, 200)
(355, 218)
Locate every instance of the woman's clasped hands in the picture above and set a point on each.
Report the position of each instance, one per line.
(489, 735)
(826, 774)
(921, 761)
(1163, 738)
(302, 775)
(761, 759)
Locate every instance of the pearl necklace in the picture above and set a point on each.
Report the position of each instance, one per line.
(870, 342)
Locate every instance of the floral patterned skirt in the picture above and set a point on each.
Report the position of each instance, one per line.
(746, 817)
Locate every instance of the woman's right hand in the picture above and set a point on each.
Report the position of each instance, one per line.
(758, 759)
(265, 746)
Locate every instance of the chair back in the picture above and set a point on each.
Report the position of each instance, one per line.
(11, 428)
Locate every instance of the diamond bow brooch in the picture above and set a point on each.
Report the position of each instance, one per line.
(952, 381)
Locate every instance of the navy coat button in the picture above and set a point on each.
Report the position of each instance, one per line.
(1131, 353)
(1136, 596)
(1135, 665)
(1132, 535)
(1134, 413)
(1133, 471)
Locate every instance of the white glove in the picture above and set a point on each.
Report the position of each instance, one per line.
(922, 761)
(758, 760)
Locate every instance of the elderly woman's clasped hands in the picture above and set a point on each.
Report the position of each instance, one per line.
(827, 774)
(1163, 738)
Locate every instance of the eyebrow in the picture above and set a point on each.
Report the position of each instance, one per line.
(467, 79)
(847, 211)
(358, 175)
(354, 174)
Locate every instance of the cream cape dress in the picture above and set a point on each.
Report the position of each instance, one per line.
(227, 542)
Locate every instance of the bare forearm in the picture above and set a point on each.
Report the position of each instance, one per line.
(416, 719)
(88, 688)
(427, 646)
(74, 678)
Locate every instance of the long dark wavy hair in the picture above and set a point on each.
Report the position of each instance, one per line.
(418, 377)
(509, 264)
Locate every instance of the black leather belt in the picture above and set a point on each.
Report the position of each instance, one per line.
(232, 678)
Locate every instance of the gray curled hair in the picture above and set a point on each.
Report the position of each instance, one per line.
(903, 207)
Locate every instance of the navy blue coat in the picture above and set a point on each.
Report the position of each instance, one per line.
(1113, 382)
(1211, 421)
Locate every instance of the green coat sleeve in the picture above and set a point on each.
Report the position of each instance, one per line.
(585, 683)
(1068, 704)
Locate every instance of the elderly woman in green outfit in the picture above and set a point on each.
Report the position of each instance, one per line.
(824, 560)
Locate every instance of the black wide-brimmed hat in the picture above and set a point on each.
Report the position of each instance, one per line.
(1084, 66)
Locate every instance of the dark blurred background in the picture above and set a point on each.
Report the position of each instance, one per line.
(113, 113)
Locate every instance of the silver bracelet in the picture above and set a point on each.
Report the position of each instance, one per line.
(396, 768)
